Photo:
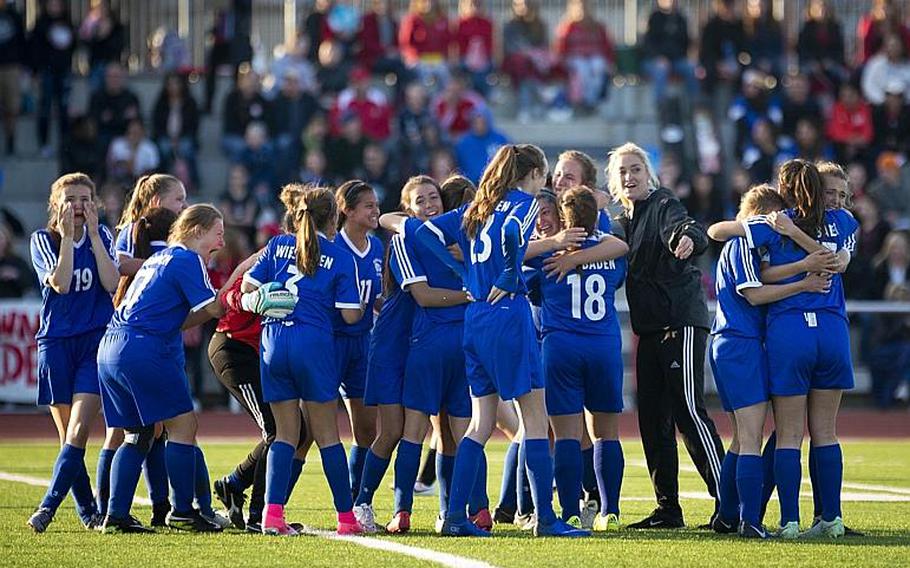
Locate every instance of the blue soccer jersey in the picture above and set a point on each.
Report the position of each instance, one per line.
(583, 302)
(494, 255)
(836, 234)
(393, 324)
(333, 286)
(170, 285)
(126, 246)
(88, 305)
(369, 270)
(738, 268)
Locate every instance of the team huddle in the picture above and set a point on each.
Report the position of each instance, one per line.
(490, 307)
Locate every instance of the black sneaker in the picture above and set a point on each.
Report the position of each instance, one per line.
(94, 522)
(159, 514)
(254, 526)
(129, 524)
(722, 526)
(40, 519)
(747, 530)
(660, 519)
(191, 521)
(503, 516)
(232, 500)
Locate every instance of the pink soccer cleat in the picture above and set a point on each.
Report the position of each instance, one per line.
(482, 520)
(348, 525)
(400, 523)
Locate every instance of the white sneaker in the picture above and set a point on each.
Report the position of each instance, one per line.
(364, 515)
(825, 529)
(789, 531)
(218, 518)
(589, 510)
(423, 489)
(440, 520)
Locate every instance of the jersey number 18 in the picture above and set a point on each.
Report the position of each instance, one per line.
(595, 306)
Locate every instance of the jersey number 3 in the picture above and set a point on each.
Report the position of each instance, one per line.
(486, 244)
(595, 306)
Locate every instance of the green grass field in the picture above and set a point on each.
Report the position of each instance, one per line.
(877, 502)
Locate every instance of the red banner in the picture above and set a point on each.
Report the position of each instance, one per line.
(18, 351)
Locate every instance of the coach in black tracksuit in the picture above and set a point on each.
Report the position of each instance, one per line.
(668, 312)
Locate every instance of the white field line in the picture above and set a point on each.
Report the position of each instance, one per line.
(427, 554)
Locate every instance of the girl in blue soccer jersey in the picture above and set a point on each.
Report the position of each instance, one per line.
(150, 192)
(738, 361)
(141, 381)
(807, 343)
(74, 260)
(493, 233)
(298, 351)
(582, 361)
(358, 216)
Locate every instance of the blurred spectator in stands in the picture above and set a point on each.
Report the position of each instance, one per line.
(892, 121)
(132, 155)
(238, 203)
(871, 236)
(314, 167)
(258, 157)
(820, 48)
(850, 125)
(314, 26)
(809, 143)
(756, 102)
(105, 37)
(858, 177)
(722, 42)
(762, 156)
(797, 104)
(342, 24)
(378, 171)
(112, 195)
(477, 147)
(175, 126)
(50, 49)
(889, 357)
(442, 163)
(290, 114)
(368, 102)
(379, 44)
(230, 44)
(890, 190)
(764, 38)
(81, 151)
(424, 39)
(584, 47)
(114, 105)
(293, 59)
(344, 152)
(884, 18)
(705, 203)
(16, 276)
(13, 58)
(474, 40)
(169, 52)
(666, 50)
(333, 70)
(316, 133)
(671, 175)
(740, 182)
(413, 121)
(452, 108)
(892, 264)
(890, 65)
(243, 105)
(527, 58)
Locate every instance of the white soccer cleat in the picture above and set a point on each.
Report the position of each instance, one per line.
(789, 531)
(364, 515)
(589, 510)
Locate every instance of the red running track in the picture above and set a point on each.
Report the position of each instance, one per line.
(851, 423)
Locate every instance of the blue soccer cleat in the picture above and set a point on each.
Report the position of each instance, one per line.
(463, 528)
(559, 528)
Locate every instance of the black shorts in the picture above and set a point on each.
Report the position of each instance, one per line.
(236, 365)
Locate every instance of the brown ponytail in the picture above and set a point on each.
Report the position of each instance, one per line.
(455, 191)
(312, 209)
(153, 227)
(800, 184)
(146, 188)
(578, 208)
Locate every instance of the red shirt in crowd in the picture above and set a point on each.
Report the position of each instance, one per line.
(419, 39)
(373, 109)
(373, 45)
(870, 37)
(584, 40)
(455, 116)
(850, 125)
(237, 324)
(474, 37)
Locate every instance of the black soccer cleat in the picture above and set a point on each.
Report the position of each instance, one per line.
(747, 530)
(254, 526)
(128, 524)
(232, 500)
(722, 526)
(660, 519)
(40, 519)
(192, 521)
(94, 523)
(159, 514)
(503, 516)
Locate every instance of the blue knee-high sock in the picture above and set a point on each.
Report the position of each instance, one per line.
(335, 467)
(155, 470)
(83, 495)
(374, 468)
(749, 488)
(479, 498)
(203, 486)
(407, 463)
(609, 464)
(356, 460)
(568, 470)
(126, 468)
(464, 475)
(103, 478)
(540, 474)
(296, 470)
(829, 461)
(768, 483)
(278, 472)
(181, 472)
(508, 491)
(445, 466)
(788, 474)
(589, 477)
(729, 498)
(66, 470)
(523, 490)
(814, 479)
